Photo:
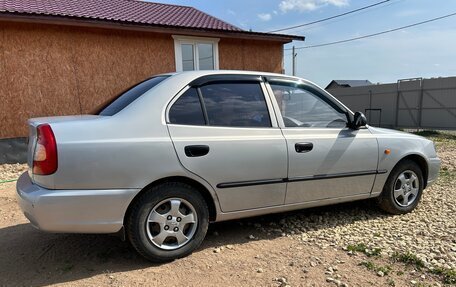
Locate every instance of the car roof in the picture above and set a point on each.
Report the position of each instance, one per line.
(192, 75)
(201, 73)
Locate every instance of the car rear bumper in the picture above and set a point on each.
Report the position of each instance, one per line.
(73, 211)
(434, 169)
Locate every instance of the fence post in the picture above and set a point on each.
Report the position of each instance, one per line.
(420, 104)
(397, 105)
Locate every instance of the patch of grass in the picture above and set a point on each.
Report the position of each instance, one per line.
(368, 264)
(390, 282)
(400, 273)
(361, 247)
(444, 172)
(436, 135)
(409, 259)
(385, 269)
(373, 267)
(446, 176)
(375, 252)
(427, 133)
(449, 275)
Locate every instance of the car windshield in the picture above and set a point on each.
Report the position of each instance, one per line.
(131, 94)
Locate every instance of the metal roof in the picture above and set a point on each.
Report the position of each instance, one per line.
(127, 12)
(350, 83)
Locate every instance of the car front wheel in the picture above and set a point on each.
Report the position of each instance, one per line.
(403, 189)
(167, 222)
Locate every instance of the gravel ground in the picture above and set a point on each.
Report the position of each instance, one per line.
(11, 171)
(429, 232)
(426, 237)
(326, 246)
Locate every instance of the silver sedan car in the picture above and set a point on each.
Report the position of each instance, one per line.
(178, 151)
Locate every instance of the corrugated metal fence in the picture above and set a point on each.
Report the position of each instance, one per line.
(410, 103)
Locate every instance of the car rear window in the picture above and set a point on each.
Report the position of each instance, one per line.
(187, 110)
(131, 94)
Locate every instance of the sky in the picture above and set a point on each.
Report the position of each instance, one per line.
(426, 51)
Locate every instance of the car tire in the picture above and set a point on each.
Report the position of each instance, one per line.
(403, 188)
(153, 225)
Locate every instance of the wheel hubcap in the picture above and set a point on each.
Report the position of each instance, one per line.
(406, 188)
(171, 223)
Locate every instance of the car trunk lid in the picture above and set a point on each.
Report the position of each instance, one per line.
(33, 134)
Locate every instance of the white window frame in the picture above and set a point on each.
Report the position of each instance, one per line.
(179, 40)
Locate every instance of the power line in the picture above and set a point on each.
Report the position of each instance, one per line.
(329, 18)
(306, 28)
(376, 34)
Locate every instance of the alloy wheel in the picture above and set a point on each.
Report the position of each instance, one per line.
(406, 188)
(171, 223)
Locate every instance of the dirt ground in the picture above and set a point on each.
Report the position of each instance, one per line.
(238, 253)
(227, 258)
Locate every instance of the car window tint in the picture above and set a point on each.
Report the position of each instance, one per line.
(187, 110)
(235, 105)
(127, 97)
(303, 108)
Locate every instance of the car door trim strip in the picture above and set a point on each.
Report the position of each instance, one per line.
(296, 179)
(250, 183)
(336, 175)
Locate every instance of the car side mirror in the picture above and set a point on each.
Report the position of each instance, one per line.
(359, 120)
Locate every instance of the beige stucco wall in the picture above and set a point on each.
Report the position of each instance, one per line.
(48, 70)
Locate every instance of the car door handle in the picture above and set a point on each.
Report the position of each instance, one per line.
(303, 147)
(196, 150)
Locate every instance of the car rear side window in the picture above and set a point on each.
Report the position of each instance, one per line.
(235, 105)
(187, 109)
(127, 97)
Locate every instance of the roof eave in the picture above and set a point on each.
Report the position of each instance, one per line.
(123, 25)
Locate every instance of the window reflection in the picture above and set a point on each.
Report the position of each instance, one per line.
(206, 56)
(188, 63)
(302, 108)
(236, 105)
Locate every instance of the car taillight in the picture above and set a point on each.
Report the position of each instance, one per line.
(45, 157)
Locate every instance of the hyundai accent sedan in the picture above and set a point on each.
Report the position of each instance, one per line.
(178, 151)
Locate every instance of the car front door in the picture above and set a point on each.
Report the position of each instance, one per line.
(222, 131)
(326, 158)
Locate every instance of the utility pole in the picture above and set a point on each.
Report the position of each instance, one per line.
(293, 59)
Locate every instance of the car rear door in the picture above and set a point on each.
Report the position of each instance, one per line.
(223, 131)
(326, 158)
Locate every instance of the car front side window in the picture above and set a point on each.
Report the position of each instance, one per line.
(302, 107)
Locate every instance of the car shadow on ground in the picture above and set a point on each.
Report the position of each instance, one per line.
(31, 257)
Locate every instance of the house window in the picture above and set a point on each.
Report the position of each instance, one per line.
(195, 53)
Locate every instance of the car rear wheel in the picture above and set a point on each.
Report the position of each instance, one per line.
(168, 222)
(403, 189)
